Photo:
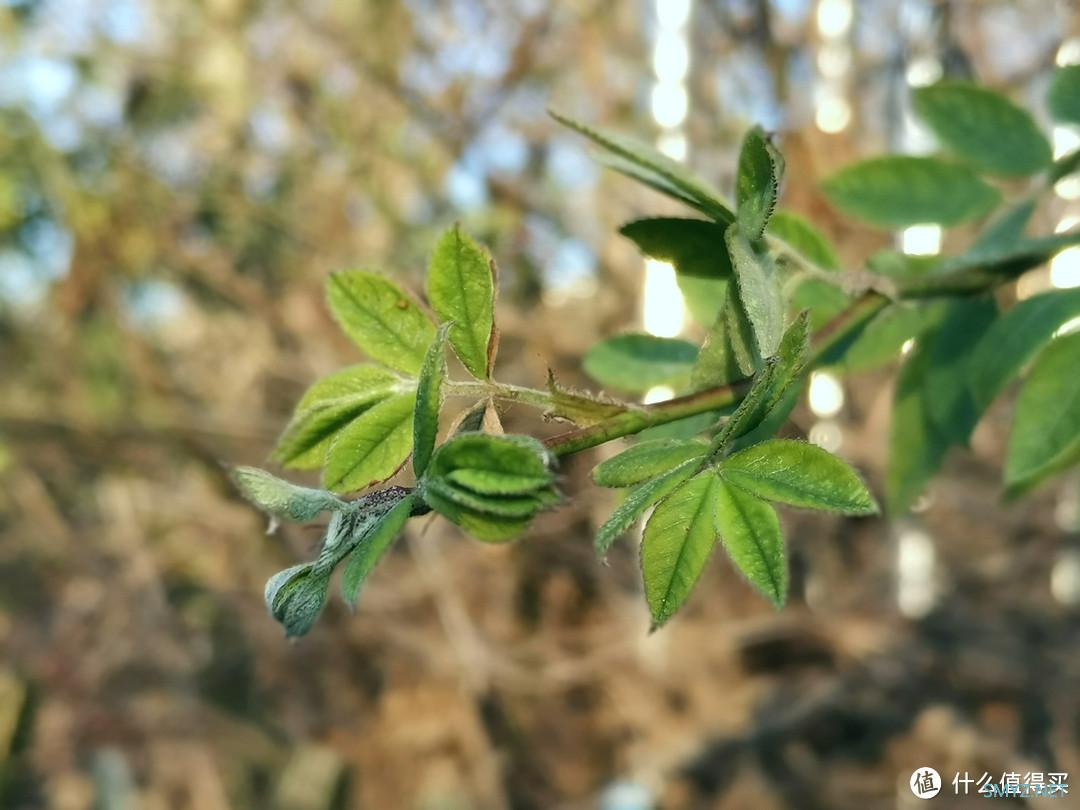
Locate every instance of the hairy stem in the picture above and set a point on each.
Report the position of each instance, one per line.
(479, 389)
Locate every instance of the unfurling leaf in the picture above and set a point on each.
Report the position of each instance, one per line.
(637, 362)
(646, 460)
(491, 486)
(1045, 436)
(373, 447)
(371, 547)
(757, 184)
(677, 541)
(983, 128)
(798, 474)
(382, 320)
(656, 170)
(640, 499)
(295, 597)
(428, 403)
(461, 288)
(750, 532)
(802, 237)
(897, 191)
(328, 406)
(759, 290)
(282, 499)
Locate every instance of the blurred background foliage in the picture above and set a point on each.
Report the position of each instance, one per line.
(177, 179)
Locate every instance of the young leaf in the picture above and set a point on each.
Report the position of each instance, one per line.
(372, 546)
(657, 170)
(640, 499)
(282, 499)
(983, 128)
(461, 288)
(503, 506)
(372, 447)
(329, 405)
(695, 247)
(759, 290)
(1064, 95)
(802, 237)
(295, 597)
(502, 455)
(798, 474)
(897, 191)
(487, 482)
(483, 526)
(719, 362)
(678, 538)
(750, 532)
(757, 184)
(428, 403)
(381, 319)
(646, 460)
(637, 362)
(1045, 436)
(1015, 338)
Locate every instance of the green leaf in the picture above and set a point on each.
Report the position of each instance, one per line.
(983, 128)
(646, 460)
(897, 191)
(759, 290)
(295, 597)
(282, 499)
(883, 338)
(657, 170)
(798, 474)
(502, 506)
(461, 288)
(638, 500)
(1005, 230)
(703, 297)
(757, 183)
(678, 538)
(695, 247)
(487, 482)
(729, 348)
(637, 362)
(750, 532)
(329, 405)
(802, 237)
(371, 548)
(933, 406)
(503, 455)
(1045, 437)
(1015, 338)
(685, 428)
(373, 447)
(428, 403)
(823, 300)
(382, 320)
(483, 526)
(1063, 98)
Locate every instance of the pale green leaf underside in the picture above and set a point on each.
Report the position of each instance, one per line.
(646, 460)
(759, 290)
(371, 548)
(1045, 435)
(897, 191)
(798, 474)
(750, 532)
(757, 183)
(382, 320)
(983, 128)
(280, 498)
(372, 447)
(461, 288)
(677, 541)
(428, 403)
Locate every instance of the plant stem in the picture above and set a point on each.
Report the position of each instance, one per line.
(478, 389)
(837, 333)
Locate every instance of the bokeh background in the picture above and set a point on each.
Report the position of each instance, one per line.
(177, 179)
